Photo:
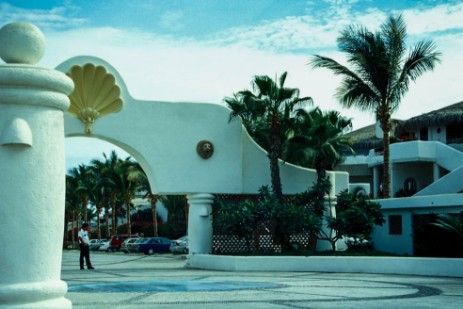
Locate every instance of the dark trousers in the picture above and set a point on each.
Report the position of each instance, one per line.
(84, 252)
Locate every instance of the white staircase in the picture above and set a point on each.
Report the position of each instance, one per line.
(452, 160)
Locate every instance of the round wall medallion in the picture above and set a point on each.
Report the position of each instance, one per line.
(205, 149)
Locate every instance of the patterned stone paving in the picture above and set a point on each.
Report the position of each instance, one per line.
(162, 281)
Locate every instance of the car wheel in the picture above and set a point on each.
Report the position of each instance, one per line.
(150, 251)
(107, 250)
(185, 250)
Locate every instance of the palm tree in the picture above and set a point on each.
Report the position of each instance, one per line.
(72, 206)
(317, 140)
(451, 223)
(84, 187)
(265, 113)
(106, 169)
(154, 198)
(177, 207)
(126, 176)
(98, 194)
(381, 73)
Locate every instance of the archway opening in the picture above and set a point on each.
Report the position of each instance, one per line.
(147, 215)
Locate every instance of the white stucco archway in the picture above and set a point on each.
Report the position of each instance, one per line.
(162, 136)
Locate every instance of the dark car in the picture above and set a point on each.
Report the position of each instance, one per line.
(154, 244)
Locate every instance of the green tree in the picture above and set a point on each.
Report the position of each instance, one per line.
(381, 73)
(177, 207)
(106, 169)
(83, 188)
(299, 214)
(126, 176)
(72, 206)
(356, 217)
(317, 140)
(98, 195)
(266, 113)
(154, 198)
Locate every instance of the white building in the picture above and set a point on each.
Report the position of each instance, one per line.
(426, 171)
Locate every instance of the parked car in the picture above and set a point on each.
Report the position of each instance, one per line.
(133, 247)
(96, 243)
(180, 245)
(154, 244)
(126, 243)
(104, 246)
(116, 241)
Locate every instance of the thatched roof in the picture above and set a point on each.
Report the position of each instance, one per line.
(441, 117)
(364, 139)
(364, 133)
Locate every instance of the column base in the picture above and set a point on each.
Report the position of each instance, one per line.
(42, 294)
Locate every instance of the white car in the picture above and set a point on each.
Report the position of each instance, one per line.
(96, 243)
(125, 246)
(180, 245)
(104, 246)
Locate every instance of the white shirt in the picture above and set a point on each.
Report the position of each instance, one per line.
(84, 235)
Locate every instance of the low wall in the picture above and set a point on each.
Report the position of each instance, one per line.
(447, 267)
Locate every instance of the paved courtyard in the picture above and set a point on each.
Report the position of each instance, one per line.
(162, 281)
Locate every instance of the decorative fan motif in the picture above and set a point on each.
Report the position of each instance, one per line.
(95, 94)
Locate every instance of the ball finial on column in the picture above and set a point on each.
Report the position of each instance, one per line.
(21, 43)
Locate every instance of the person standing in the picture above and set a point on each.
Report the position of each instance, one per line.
(84, 244)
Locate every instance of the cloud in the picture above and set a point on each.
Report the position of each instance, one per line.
(166, 68)
(172, 20)
(440, 18)
(319, 28)
(57, 17)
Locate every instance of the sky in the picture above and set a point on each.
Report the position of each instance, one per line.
(205, 50)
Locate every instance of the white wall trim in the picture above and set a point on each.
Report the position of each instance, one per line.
(445, 267)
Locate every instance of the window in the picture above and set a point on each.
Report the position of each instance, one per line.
(395, 225)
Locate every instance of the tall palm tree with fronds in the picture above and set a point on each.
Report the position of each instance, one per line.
(317, 140)
(265, 113)
(98, 195)
(126, 176)
(154, 198)
(106, 170)
(72, 206)
(381, 73)
(84, 183)
(177, 207)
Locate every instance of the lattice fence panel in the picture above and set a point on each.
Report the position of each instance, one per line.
(261, 242)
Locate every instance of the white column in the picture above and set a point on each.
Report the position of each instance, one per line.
(435, 172)
(200, 223)
(375, 181)
(32, 177)
(391, 179)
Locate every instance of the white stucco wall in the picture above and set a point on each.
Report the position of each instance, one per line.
(32, 175)
(162, 137)
(407, 207)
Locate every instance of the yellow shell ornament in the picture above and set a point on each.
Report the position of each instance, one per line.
(95, 94)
